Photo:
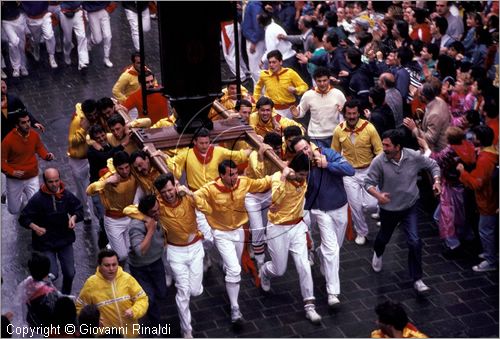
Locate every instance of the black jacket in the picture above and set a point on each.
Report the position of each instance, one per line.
(47, 211)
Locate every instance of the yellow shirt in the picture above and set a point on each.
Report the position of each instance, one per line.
(288, 200)
(262, 128)
(178, 221)
(146, 182)
(276, 86)
(407, 333)
(114, 197)
(258, 169)
(358, 147)
(200, 171)
(224, 207)
(77, 142)
(227, 102)
(127, 83)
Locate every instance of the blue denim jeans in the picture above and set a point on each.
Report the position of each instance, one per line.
(488, 224)
(152, 280)
(407, 220)
(323, 142)
(67, 261)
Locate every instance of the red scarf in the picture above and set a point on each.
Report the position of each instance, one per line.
(204, 159)
(316, 89)
(356, 130)
(277, 74)
(58, 195)
(224, 189)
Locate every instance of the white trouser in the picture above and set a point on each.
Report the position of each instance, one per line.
(134, 25)
(280, 240)
(230, 246)
(254, 59)
(186, 263)
(204, 228)
(100, 29)
(80, 172)
(284, 113)
(359, 200)
(117, 232)
(16, 36)
(15, 190)
(230, 51)
(77, 25)
(56, 10)
(43, 28)
(310, 221)
(257, 205)
(332, 226)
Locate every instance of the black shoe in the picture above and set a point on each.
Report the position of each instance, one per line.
(3, 199)
(455, 253)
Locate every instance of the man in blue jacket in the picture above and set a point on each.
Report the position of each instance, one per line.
(52, 214)
(327, 200)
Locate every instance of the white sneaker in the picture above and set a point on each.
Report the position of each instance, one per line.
(4, 75)
(420, 286)
(360, 240)
(310, 256)
(312, 315)
(108, 62)
(484, 266)
(187, 335)
(236, 315)
(375, 216)
(376, 262)
(265, 282)
(333, 300)
(81, 66)
(15, 73)
(24, 71)
(52, 61)
(67, 60)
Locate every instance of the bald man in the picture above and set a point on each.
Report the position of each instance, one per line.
(52, 214)
(393, 98)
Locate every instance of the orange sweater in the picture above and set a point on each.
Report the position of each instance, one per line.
(157, 105)
(19, 153)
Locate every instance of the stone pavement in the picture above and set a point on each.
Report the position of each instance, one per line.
(461, 303)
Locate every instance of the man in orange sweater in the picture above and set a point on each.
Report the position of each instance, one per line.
(19, 162)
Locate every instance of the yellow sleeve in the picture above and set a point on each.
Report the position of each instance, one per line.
(141, 303)
(278, 188)
(299, 84)
(133, 212)
(177, 163)
(119, 86)
(258, 87)
(377, 334)
(165, 122)
(96, 186)
(141, 123)
(84, 298)
(285, 122)
(255, 167)
(237, 156)
(336, 141)
(375, 140)
(78, 138)
(201, 197)
(260, 185)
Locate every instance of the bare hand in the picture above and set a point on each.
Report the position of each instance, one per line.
(295, 111)
(261, 65)
(460, 167)
(50, 157)
(18, 174)
(39, 230)
(302, 58)
(262, 149)
(287, 172)
(343, 74)
(85, 124)
(113, 179)
(72, 222)
(292, 89)
(320, 160)
(40, 127)
(436, 188)
(129, 314)
(281, 36)
(183, 190)
(126, 140)
(368, 113)
(150, 224)
(252, 48)
(409, 123)
(97, 146)
(384, 198)
(423, 143)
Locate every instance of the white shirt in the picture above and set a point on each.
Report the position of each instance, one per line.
(272, 42)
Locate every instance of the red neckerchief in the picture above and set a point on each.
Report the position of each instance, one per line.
(224, 189)
(356, 130)
(59, 193)
(316, 89)
(277, 74)
(204, 159)
(227, 40)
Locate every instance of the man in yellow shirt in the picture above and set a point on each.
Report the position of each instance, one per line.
(223, 203)
(229, 99)
(128, 82)
(358, 141)
(117, 191)
(393, 322)
(286, 231)
(281, 84)
(143, 171)
(266, 120)
(120, 133)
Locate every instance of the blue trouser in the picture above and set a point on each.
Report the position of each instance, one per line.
(67, 261)
(407, 220)
(323, 142)
(152, 280)
(487, 227)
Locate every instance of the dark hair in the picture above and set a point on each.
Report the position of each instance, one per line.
(405, 55)
(309, 21)
(224, 164)
(403, 29)
(433, 49)
(428, 91)
(275, 54)
(378, 95)
(90, 316)
(321, 71)
(115, 119)
(473, 118)
(202, 133)
(482, 36)
(138, 154)
(147, 203)
(354, 56)
(318, 32)
(331, 18)
(457, 46)
(120, 158)
(264, 19)
(105, 253)
(364, 38)
(242, 102)
(395, 135)
(477, 18)
(299, 138)
(441, 24)
(94, 130)
(39, 266)
(134, 55)
(88, 106)
(300, 162)
(446, 66)
(162, 180)
(420, 14)
(485, 135)
(493, 21)
(352, 103)
(416, 46)
(273, 139)
(64, 312)
(291, 131)
(264, 101)
(333, 39)
(148, 73)
(390, 313)
(104, 103)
